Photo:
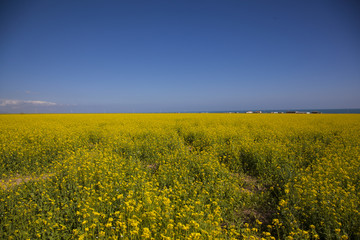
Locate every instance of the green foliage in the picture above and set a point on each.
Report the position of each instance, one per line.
(179, 176)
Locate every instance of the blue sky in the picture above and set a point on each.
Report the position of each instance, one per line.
(168, 56)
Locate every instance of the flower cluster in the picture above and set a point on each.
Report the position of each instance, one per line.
(179, 176)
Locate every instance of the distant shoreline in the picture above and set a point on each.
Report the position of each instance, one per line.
(329, 111)
(279, 111)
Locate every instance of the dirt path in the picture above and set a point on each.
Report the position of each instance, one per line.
(6, 184)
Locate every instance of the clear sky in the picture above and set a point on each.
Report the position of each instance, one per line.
(179, 55)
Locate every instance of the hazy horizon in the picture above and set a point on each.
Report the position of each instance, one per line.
(178, 56)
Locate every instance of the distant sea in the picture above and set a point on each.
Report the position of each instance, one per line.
(337, 110)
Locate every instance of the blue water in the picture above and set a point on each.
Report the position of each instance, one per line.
(343, 110)
(350, 110)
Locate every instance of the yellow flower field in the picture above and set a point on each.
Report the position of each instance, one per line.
(179, 176)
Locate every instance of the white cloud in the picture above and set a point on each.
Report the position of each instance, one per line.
(8, 102)
(43, 103)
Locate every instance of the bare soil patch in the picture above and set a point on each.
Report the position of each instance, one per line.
(7, 184)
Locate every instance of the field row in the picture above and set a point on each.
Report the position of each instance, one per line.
(179, 176)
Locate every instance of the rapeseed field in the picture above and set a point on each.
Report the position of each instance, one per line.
(179, 176)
